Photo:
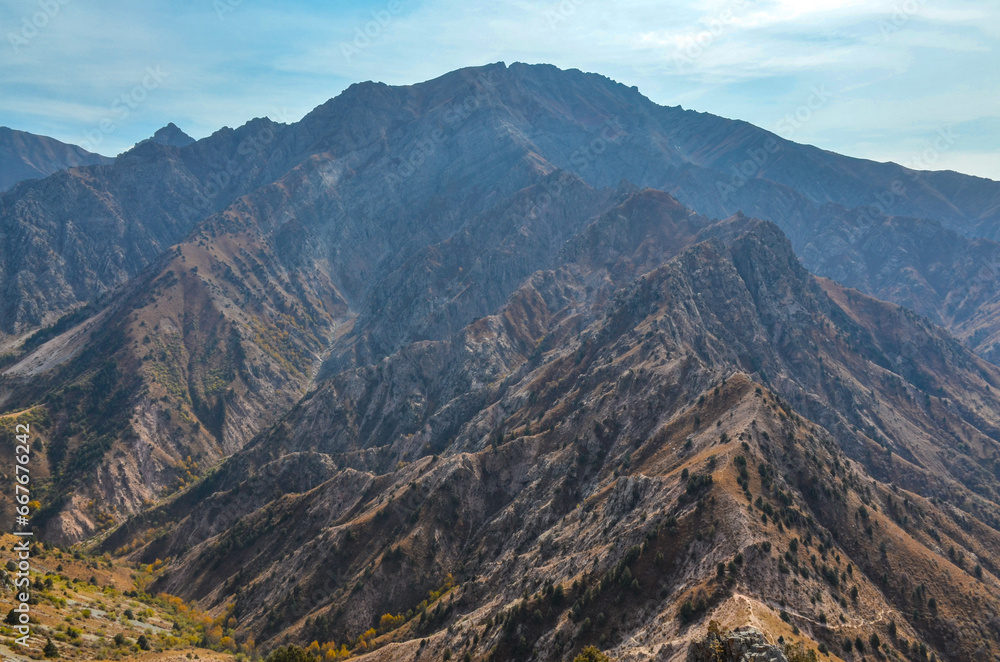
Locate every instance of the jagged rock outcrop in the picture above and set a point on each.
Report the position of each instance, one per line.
(743, 644)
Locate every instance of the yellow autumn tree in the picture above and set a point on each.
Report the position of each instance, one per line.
(389, 622)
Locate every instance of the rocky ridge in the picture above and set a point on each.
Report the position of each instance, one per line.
(29, 156)
(469, 374)
(555, 452)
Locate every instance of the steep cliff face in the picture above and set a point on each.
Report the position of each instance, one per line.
(29, 156)
(573, 468)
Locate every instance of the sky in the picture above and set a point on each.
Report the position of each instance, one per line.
(911, 81)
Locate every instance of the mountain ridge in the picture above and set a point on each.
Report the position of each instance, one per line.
(28, 156)
(480, 85)
(444, 352)
(320, 241)
(328, 425)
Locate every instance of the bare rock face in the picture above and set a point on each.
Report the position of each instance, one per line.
(744, 644)
(80, 233)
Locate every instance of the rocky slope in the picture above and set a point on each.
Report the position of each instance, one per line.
(29, 156)
(573, 470)
(95, 608)
(422, 135)
(225, 331)
(81, 232)
(386, 216)
(483, 392)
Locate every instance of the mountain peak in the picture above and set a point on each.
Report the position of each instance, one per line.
(170, 135)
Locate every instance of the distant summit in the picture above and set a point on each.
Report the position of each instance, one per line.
(169, 135)
(29, 156)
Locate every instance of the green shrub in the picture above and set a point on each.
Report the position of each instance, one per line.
(289, 653)
(591, 654)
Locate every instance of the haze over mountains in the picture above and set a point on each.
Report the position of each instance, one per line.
(490, 327)
(27, 156)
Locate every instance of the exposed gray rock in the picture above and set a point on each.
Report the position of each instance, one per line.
(744, 644)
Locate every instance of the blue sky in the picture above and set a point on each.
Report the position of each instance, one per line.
(880, 79)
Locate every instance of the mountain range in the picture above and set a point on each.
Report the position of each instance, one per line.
(516, 361)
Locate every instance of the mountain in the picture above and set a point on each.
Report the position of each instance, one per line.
(583, 124)
(473, 366)
(386, 216)
(29, 156)
(573, 469)
(80, 233)
(914, 262)
(169, 135)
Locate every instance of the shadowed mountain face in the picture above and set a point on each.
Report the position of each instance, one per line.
(481, 341)
(27, 156)
(573, 435)
(431, 140)
(81, 232)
